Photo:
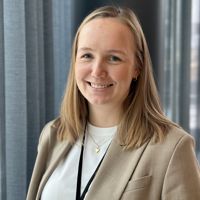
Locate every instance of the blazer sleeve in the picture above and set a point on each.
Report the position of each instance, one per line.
(40, 163)
(182, 178)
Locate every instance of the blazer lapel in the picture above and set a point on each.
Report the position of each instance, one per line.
(114, 172)
(60, 150)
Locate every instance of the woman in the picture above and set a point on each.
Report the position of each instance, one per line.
(112, 140)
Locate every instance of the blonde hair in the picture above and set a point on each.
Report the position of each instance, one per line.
(143, 117)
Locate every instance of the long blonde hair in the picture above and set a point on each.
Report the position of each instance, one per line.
(143, 117)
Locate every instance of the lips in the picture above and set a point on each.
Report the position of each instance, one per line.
(100, 85)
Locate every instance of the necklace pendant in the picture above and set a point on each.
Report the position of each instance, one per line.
(97, 149)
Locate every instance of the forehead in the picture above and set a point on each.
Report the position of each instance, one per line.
(107, 31)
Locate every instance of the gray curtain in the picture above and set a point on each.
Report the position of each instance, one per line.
(35, 40)
(35, 45)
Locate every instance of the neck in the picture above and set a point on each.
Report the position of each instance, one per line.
(104, 117)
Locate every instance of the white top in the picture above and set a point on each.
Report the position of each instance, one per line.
(62, 183)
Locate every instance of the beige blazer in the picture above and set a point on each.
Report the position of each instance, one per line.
(162, 171)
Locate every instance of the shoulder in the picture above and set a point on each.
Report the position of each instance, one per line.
(176, 152)
(182, 144)
(48, 134)
(177, 136)
(177, 143)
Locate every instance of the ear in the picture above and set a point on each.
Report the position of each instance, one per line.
(136, 72)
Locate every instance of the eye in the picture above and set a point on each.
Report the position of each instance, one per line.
(115, 59)
(86, 56)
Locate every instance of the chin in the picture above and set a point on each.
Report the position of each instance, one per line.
(98, 102)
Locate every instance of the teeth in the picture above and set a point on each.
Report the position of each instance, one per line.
(99, 86)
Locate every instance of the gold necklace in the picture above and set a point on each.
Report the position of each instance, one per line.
(97, 148)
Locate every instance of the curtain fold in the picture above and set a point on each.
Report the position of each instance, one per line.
(63, 23)
(2, 111)
(15, 98)
(35, 79)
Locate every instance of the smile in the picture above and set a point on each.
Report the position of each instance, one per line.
(100, 85)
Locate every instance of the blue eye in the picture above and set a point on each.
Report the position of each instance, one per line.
(114, 59)
(86, 56)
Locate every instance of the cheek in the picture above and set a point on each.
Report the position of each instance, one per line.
(125, 75)
(80, 72)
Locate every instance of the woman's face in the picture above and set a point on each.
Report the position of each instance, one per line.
(105, 62)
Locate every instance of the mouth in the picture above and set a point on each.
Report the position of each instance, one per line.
(100, 85)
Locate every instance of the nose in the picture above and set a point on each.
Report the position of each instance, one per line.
(98, 69)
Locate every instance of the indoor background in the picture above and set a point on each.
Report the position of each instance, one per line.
(35, 44)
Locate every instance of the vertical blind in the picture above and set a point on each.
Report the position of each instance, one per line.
(35, 46)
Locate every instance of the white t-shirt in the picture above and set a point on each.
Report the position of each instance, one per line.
(62, 183)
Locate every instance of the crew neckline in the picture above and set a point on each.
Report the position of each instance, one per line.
(101, 131)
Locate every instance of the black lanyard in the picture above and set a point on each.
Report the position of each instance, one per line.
(78, 186)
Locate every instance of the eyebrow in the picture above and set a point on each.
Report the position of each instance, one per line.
(110, 51)
(117, 51)
(85, 49)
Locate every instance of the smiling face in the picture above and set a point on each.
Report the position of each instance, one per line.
(105, 62)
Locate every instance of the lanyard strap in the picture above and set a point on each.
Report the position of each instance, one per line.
(78, 186)
(90, 181)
